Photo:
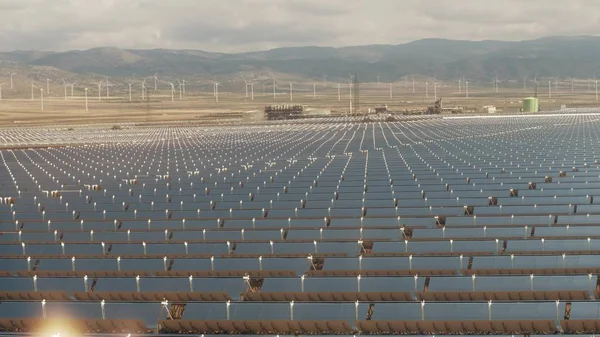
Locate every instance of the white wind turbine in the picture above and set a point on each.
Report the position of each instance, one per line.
(65, 85)
(245, 86)
(47, 86)
(100, 90)
(183, 83)
(252, 89)
(72, 86)
(180, 89)
(107, 85)
(155, 81)
(42, 98)
(571, 80)
(314, 91)
(291, 92)
(86, 99)
(32, 86)
(129, 84)
(497, 83)
(143, 89)
(339, 94)
(350, 86)
(1, 84)
(172, 91)
(217, 91)
(11, 80)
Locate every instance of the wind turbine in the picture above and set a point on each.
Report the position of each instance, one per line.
(314, 91)
(42, 98)
(217, 92)
(183, 83)
(252, 90)
(1, 84)
(72, 85)
(572, 84)
(245, 86)
(391, 92)
(466, 88)
(273, 88)
(556, 83)
(47, 87)
(107, 94)
(524, 83)
(65, 85)
(497, 83)
(426, 89)
(350, 79)
(214, 87)
(11, 80)
(325, 79)
(155, 81)
(32, 86)
(86, 101)
(143, 89)
(172, 92)
(339, 96)
(180, 90)
(129, 91)
(100, 90)
(291, 92)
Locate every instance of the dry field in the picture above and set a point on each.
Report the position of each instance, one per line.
(199, 104)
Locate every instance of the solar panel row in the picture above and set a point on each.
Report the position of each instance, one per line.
(438, 226)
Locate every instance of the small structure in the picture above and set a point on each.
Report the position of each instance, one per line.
(436, 109)
(381, 109)
(279, 112)
(489, 109)
(530, 104)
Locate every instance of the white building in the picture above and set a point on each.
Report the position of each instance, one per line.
(490, 109)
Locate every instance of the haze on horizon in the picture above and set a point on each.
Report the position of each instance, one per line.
(247, 25)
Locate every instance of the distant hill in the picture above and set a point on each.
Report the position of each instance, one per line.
(577, 56)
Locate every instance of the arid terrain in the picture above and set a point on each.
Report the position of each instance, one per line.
(199, 103)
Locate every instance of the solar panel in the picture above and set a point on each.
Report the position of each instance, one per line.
(390, 222)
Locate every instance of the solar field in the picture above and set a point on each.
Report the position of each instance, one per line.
(436, 226)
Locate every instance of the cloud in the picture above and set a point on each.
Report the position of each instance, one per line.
(243, 25)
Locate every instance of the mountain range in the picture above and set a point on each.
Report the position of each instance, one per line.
(562, 56)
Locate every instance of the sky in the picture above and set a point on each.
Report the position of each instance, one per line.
(247, 25)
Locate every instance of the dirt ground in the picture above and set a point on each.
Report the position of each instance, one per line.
(17, 108)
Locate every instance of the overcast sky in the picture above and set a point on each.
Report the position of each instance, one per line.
(243, 25)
